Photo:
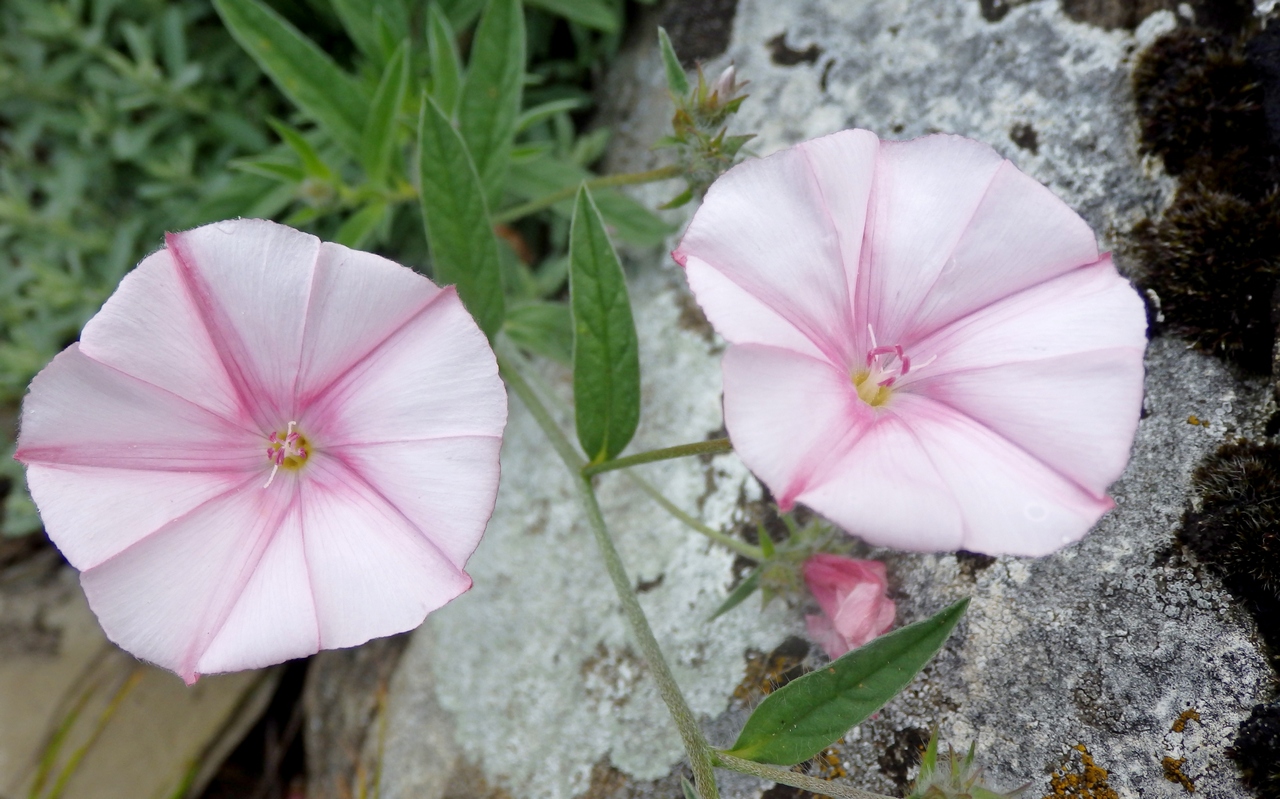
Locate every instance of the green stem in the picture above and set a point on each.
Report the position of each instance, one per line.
(714, 447)
(515, 212)
(795, 780)
(694, 743)
(735, 545)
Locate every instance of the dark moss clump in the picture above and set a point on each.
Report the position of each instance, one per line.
(1213, 260)
(1237, 529)
(1257, 751)
(1200, 105)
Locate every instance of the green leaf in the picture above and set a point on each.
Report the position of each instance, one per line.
(739, 595)
(606, 362)
(766, 542)
(360, 19)
(543, 328)
(630, 220)
(446, 67)
(306, 75)
(357, 228)
(461, 13)
(380, 130)
(677, 81)
(464, 249)
(687, 788)
(809, 714)
(313, 166)
(599, 14)
(490, 102)
(534, 115)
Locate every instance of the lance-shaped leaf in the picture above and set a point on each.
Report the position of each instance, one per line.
(808, 714)
(677, 81)
(446, 68)
(306, 75)
(489, 106)
(381, 133)
(361, 19)
(606, 362)
(464, 249)
(599, 14)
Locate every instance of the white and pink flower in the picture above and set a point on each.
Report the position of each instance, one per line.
(264, 445)
(851, 593)
(926, 346)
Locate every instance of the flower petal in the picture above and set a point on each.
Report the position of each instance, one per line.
(1011, 502)
(1020, 235)
(80, 412)
(372, 572)
(738, 316)
(925, 193)
(150, 329)
(434, 378)
(251, 280)
(789, 252)
(786, 414)
(884, 488)
(93, 514)
(274, 618)
(165, 598)
(357, 301)
(445, 487)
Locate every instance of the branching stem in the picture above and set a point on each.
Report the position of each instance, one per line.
(716, 446)
(794, 779)
(515, 212)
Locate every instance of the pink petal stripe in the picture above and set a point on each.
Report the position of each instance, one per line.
(445, 487)
(358, 300)
(924, 195)
(436, 377)
(93, 514)
(788, 415)
(785, 252)
(739, 316)
(372, 573)
(150, 329)
(885, 489)
(81, 412)
(1020, 235)
(166, 597)
(251, 281)
(274, 618)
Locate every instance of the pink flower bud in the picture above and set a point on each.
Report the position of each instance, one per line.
(852, 596)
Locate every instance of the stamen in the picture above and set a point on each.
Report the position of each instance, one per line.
(288, 448)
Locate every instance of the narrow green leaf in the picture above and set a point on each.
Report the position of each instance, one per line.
(381, 134)
(687, 787)
(357, 228)
(304, 72)
(599, 14)
(606, 363)
(766, 542)
(267, 167)
(446, 67)
(809, 714)
(550, 108)
(543, 328)
(677, 81)
(464, 250)
(740, 594)
(360, 19)
(489, 105)
(461, 13)
(313, 166)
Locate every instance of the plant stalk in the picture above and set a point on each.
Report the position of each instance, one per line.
(735, 545)
(515, 212)
(695, 744)
(716, 446)
(794, 779)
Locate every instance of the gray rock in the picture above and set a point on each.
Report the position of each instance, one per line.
(529, 683)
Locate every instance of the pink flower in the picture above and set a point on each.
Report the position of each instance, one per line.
(926, 346)
(263, 446)
(851, 594)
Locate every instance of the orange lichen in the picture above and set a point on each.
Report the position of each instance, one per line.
(1173, 773)
(767, 673)
(1181, 723)
(1088, 782)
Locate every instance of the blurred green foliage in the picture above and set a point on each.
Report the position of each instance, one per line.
(120, 119)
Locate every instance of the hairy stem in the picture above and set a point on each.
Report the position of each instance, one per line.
(735, 545)
(714, 447)
(569, 192)
(695, 744)
(795, 780)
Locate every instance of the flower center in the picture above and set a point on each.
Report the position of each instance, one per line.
(884, 366)
(286, 449)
